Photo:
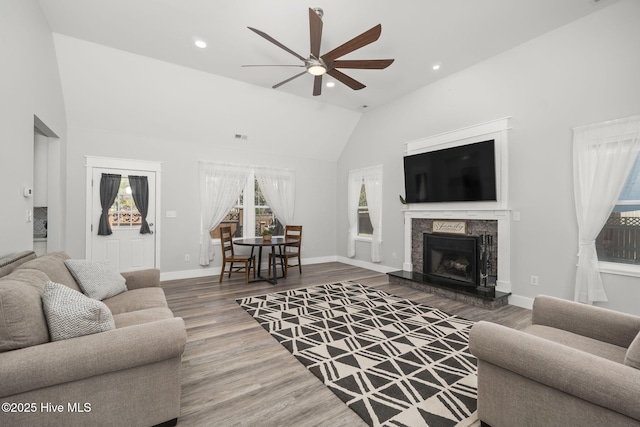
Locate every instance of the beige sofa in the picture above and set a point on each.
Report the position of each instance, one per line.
(128, 376)
(576, 365)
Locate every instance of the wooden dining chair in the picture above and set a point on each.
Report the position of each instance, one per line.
(290, 252)
(229, 257)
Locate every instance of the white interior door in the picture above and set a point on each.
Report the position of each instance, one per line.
(126, 249)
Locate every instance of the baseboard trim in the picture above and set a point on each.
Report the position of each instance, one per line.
(520, 301)
(365, 264)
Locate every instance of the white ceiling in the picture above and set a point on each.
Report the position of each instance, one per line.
(416, 33)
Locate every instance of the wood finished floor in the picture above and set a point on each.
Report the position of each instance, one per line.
(235, 374)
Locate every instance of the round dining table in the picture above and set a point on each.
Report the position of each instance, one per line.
(259, 242)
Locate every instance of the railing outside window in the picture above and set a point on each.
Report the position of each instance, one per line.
(124, 212)
(619, 240)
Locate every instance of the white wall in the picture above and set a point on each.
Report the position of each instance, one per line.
(29, 85)
(315, 201)
(127, 106)
(582, 73)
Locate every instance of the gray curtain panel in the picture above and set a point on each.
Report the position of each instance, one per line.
(109, 185)
(140, 192)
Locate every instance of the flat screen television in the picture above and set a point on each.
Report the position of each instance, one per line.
(466, 173)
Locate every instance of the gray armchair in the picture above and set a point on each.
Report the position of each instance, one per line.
(576, 365)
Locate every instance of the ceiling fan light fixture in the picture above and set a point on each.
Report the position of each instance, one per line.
(315, 67)
(316, 70)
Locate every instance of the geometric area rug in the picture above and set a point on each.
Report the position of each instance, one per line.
(392, 361)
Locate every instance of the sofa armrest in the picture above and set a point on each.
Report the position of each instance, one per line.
(594, 379)
(147, 278)
(69, 360)
(593, 322)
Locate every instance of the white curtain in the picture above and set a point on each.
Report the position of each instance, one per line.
(372, 179)
(373, 188)
(603, 155)
(278, 188)
(220, 185)
(353, 199)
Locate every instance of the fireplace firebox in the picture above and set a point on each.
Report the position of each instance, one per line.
(451, 259)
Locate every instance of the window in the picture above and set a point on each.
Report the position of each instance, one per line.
(364, 209)
(264, 216)
(251, 208)
(619, 240)
(234, 219)
(365, 228)
(124, 213)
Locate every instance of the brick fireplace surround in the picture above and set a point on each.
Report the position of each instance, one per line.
(475, 227)
(417, 222)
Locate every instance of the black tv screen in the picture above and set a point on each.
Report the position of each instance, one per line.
(459, 174)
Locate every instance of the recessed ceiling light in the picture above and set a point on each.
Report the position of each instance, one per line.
(436, 67)
(201, 44)
(330, 84)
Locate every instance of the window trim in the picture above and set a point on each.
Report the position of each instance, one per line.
(619, 268)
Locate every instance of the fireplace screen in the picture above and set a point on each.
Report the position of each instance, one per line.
(451, 259)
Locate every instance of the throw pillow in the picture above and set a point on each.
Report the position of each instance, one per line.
(632, 357)
(71, 314)
(98, 280)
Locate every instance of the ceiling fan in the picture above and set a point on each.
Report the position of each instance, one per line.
(317, 64)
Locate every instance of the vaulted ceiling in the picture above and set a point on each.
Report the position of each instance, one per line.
(418, 34)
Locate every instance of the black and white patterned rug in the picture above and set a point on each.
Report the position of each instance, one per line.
(392, 361)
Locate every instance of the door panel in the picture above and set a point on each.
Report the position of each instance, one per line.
(126, 249)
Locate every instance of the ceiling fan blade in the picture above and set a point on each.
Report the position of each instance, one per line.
(317, 85)
(357, 42)
(276, 42)
(288, 80)
(315, 30)
(340, 76)
(365, 64)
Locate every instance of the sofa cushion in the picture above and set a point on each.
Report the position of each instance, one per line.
(136, 299)
(9, 263)
(579, 342)
(22, 321)
(141, 316)
(632, 358)
(98, 280)
(52, 264)
(28, 277)
(72, 314)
